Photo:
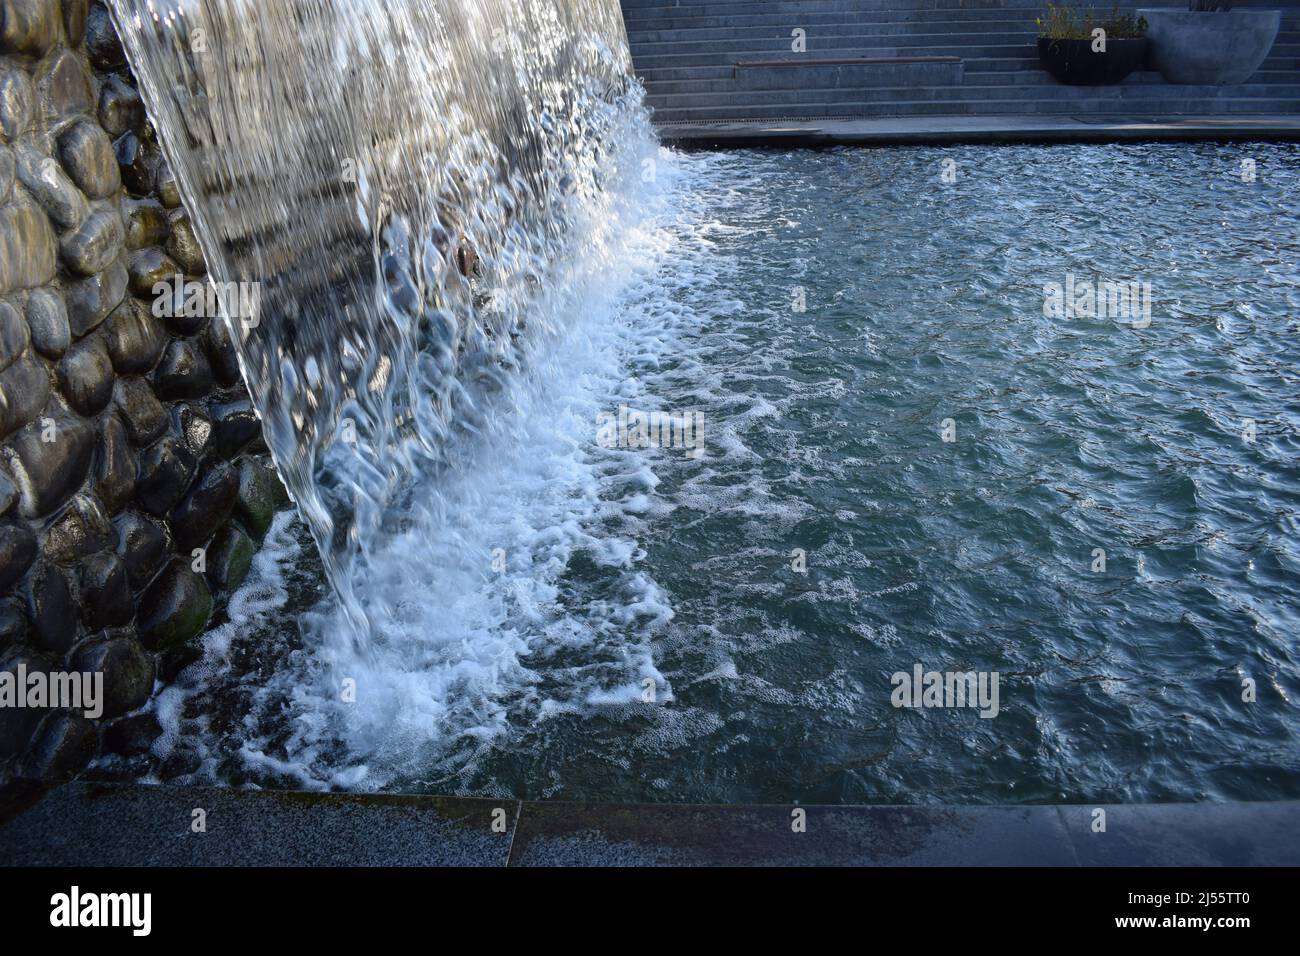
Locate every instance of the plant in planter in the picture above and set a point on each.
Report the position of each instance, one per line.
(1084, 48)
(1210, 43)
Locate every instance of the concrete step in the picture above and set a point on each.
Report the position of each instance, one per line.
(689, 73)
(685, 53)
(1007, 51)
(670, 19)
(1125, 93)
(638, 10)
(956, 19)
(812, 32)
(650, 8)
(1041, 77)
(1020, 106)
(914, 72)
(987, 81)
(823, 44)
(991, 59)
(641, 8)
(738, 30)
(635, 12)
(820, 44)
(1283, 57)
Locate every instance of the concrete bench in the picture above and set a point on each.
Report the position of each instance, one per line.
(808, 73)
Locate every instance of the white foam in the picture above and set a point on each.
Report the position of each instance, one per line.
(474, 605)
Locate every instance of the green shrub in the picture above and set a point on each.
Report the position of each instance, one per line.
(1064, 23)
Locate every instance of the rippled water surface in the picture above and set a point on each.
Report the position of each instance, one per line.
(520, 633)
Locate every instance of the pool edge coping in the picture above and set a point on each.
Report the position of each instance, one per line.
(85, 823)
(960, 130)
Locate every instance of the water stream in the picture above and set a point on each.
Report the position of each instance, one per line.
(518, 610)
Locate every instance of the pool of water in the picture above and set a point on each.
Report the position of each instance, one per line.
(909, 457)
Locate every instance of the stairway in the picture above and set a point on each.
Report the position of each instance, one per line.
(705, 61)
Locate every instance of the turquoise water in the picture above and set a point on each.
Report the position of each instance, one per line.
(824, 418)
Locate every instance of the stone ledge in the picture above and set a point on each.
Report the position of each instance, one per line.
(951, 130)
(89, 824)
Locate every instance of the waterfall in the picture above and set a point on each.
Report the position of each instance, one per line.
(400, 184)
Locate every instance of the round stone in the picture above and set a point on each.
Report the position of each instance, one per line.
(194, 427)
(135, 338)
(24, 390)
(150, 269)
(28, 26)
(95, 244)
(13, 624)
(64, 745)
(229, 558)
(102, 45)
(8, 494)
(27, 247)
(17, 552)
(120, 107)
(137, 160)
(183, 372)
(168, 190)
(50, 186)
(86, 376)
(115, 467)
(146, 223)
(105, 591)
(50, 459)
(165, 471)
(91, 300)
(64, 88)
(174, 608)
(13, 335)
(206, 507)
(47, 318)
(142, 546)
(127, 668)
(221, 352)
(50, 608)
(261, 495)
(88, 158)
(142, 413)
(83, 529)
(8, 173)
(234, 425)
(132, 736)
(17, 102)
(18, 724)
(183, 246)
(74, 19)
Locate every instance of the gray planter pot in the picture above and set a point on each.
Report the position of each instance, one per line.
(1209, 49)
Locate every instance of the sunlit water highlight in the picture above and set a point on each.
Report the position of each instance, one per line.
(924, 302)
(519, 586)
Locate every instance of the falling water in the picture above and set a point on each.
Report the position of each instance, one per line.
(403, 180)
(429, 196)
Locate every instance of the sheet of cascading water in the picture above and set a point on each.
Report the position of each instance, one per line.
(353, 160)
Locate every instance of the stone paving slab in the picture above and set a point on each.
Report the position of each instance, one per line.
(94, 824)
(567, 834)
(1181, 834)
(938, 130)
(86, 824)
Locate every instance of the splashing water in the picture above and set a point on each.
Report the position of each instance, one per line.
(354, 160)
(422, 193)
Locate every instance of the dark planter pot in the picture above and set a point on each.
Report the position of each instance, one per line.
(1210, 48)
(1073, 61)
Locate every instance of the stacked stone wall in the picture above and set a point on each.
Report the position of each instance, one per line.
(134, 484)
